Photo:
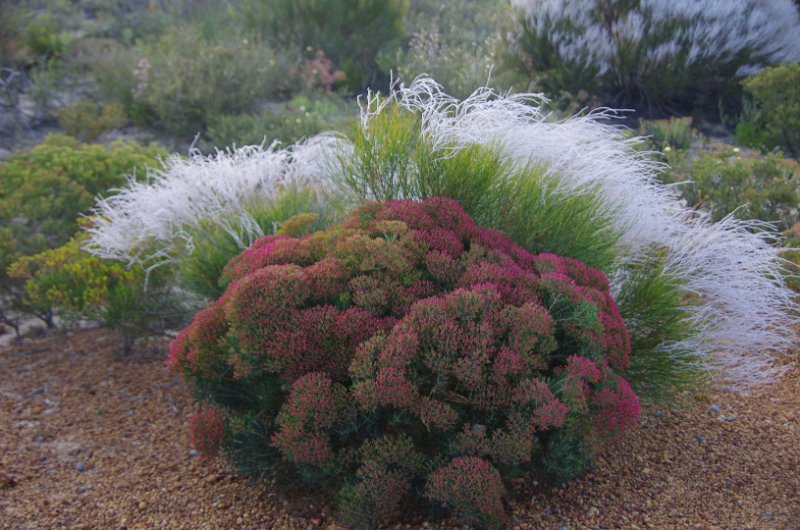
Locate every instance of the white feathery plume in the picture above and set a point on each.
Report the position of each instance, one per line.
(143, 222)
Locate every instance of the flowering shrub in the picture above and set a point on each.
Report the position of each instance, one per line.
(652, 51)
(407, 344)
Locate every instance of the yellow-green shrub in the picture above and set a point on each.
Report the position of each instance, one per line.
(776, 93)
(43, 192)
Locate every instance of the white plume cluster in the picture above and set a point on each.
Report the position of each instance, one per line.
(145, 221)
(685, 32)
(746, 315)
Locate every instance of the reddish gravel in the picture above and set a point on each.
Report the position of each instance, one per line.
(88, 440)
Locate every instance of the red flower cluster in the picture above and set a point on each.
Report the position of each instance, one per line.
(207, 432)
(409, 321)
(472, 488)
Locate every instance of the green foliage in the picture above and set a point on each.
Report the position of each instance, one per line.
(288, 123)
(391, 161)
(184, 80)
(44, 38)
(458, 43)
(674, 132)
(80, 286)
(349, 32)
(652, 303)
(200, 270)
(86, 120)
(749, 186)
(43, 191)
(778, 99)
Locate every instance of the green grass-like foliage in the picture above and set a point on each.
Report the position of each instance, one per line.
(408, 355)
(43, 191)
(651, 301)
(778, 99)
(201, 268)
(393, 161)
(674, 132)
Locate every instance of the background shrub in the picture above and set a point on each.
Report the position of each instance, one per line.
(405, 345)
(778, 100)
(86, 120)
(290, 122)
(75, 285)
(349, 32)
(748, 186)
(184, 80)
(43, 191)
(653, 53)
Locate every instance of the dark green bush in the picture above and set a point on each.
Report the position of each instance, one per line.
(183, 81)
(349, 32)
(653, 55)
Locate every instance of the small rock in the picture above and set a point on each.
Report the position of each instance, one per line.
(80, 466)
(593, 512)
(193, 452)
(700, 437)
(729, 419)
(564, 528)
(714, 408)
(659, 414)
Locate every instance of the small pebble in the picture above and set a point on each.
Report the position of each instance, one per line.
(80, 466)
(729, 418)
(714, 408)
(659, 414)
(193, 452)
(700, 437)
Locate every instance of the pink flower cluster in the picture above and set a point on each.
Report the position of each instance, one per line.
(472, 488)
(409, 327)
(207, 432)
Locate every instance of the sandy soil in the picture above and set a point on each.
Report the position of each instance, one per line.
(89, 440)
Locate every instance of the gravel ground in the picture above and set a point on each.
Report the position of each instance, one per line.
(88, 440)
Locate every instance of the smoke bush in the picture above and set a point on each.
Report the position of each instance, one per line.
(650, 51)
(408, 330)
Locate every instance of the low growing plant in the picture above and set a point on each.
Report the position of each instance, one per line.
(75, 286)
(86, 120)
(747, 186)
(407, 345)
(288, 123)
